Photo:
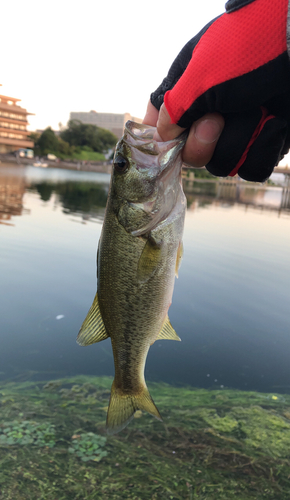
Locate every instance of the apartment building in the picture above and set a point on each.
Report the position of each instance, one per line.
(13, 125)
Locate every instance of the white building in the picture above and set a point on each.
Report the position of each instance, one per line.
(110, 121)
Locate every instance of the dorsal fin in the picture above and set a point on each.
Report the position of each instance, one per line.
(167, 331)
(93, 329)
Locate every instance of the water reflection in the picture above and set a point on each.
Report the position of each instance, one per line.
(230, 304)
(85, 193)
(285, 199)
(83, 198)
(201, 193)
(12, 189)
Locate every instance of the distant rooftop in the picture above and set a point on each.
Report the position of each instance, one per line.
(114, 122)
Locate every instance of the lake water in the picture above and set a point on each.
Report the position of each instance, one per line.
(230, 304)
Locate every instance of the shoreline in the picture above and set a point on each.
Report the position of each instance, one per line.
(80, 166)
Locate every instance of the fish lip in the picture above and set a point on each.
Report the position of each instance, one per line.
(180, 143)
(150, 131)
(130, 125)
(146, 143)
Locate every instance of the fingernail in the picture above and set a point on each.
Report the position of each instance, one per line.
(208, 131)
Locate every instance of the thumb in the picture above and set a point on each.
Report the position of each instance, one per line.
(202, 137)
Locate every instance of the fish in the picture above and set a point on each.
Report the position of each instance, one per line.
(138, 257)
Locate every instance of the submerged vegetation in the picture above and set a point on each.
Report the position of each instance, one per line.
(212, 445)
(24, 432)
(88, 446)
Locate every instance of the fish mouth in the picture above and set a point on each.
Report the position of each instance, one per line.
(141, 137)
(139, 131)
(166, 172)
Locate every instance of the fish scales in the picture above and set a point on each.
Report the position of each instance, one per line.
(131, 301)
(138, 255)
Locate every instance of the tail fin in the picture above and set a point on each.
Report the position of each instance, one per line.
(123, 406)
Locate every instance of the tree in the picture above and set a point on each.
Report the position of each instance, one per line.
(47, 142)
(108, 139)
(34, 136)
(64, 148)
(80, 134)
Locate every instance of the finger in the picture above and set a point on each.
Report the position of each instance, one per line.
(165, 128)
(202, 139)
(151, 115)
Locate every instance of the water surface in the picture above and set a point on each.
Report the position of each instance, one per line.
(230, 304)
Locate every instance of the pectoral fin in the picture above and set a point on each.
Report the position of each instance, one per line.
(149, 260)
(93, 328)
(178, 258)
(167, 331)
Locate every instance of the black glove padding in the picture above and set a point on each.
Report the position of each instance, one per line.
(250, 145)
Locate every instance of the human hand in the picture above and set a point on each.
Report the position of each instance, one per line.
(237, 67)
(202, 137)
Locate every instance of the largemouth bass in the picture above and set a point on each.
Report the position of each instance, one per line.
(139, 252)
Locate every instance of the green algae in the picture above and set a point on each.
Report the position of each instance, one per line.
(263, 430)
(88, 446)
(212, 444)
(26, 432)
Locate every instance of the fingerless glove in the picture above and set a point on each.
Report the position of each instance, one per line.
(238, 65)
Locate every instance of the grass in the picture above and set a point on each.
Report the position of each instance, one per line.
(84, 155)
(212, 445)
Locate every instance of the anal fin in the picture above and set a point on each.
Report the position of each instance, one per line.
(167, 331)
(93, 329)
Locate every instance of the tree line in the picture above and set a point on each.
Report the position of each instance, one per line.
(78, 140)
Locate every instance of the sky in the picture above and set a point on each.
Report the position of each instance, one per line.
(108, 56)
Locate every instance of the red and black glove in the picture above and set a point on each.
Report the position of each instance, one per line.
(237, 65)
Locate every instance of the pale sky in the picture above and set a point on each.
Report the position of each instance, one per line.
(109, 55)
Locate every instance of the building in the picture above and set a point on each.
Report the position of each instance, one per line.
(110, 121)
(13, 125)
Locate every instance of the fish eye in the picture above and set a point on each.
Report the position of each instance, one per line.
(120, 163)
